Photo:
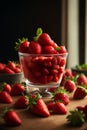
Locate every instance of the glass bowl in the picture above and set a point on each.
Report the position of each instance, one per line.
(43, 70)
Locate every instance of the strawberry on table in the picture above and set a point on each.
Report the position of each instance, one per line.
(5, 97)
(11, 118)
(22, 102)
(69, 85)
(5, 87)
(61, 95)
(59, 108)
(17, 89)
(80, 93)
(37, 106)
(82, 80)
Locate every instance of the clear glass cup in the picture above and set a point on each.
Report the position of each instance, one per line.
(43, 70)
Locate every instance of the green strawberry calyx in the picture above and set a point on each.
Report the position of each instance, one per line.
(76, 118)
(39, 31)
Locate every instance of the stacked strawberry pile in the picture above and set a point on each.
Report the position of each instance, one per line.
(43, 61)
(10, 68)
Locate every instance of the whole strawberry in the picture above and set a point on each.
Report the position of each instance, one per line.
(80, 93)
(82, 80)
(5, 97)
(59, 108)
(37, 106)
(11, 118)
(17, 89)
(61, 95)
(22, 45)
(76, 118)
(69, 85)
(22, 102)
(5, 87)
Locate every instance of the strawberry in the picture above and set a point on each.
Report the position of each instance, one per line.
(61, 95)
(61, 49)
(44, 39)
(2, 65)
(80, 93)
(37, 106)
(76, 118)
(69, 85)
(80, 108)
(11, 118)
(5, 87)
(11, 65)
(35, 48)
(7, 70)
(52, 89)
(22, 102)
(82, 79)
(49, 50)
(5, 97)
(17, 89)
(22, 45)
(59, 108)
(50, 105)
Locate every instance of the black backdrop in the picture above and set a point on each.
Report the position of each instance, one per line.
(21, 18)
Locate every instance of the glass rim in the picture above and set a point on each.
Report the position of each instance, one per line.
(27, 54)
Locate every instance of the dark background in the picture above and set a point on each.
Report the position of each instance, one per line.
(21, 19)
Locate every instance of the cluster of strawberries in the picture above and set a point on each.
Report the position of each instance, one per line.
(10, 68)
(48, 61)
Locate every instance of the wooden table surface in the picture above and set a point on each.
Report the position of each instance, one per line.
(54, 122)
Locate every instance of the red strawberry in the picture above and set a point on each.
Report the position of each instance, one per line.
(50, 105)
(62, 49)
(22, 102)
(11, 118)
(44, 39)
(5, 97)
(52, 89)
(59, 108)
(2, 65)
(11, 65)
(7, 70)
(22, 45)
(6, 87)
(38, 106)
(82, 79)
(61, 95)
(80, 108)
(80, 93)
(17, 89)
(49, 50)
(69, 85)
(35, 48)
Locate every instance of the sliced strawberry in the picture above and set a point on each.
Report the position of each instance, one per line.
(5, 97)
